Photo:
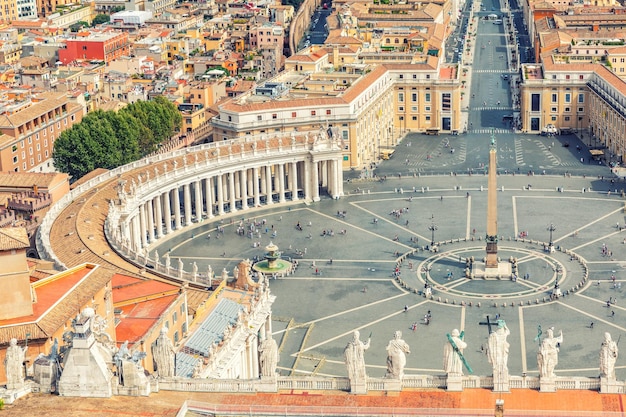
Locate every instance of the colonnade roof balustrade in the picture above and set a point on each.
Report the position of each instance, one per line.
(73, 231)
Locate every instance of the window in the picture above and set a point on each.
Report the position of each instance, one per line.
(568, 109)
(413, 108)
(39, 158)
(401, 97)
(401, 108)
(401, 76)
(46, 153)
(259, 117)
(23, 154)
(553, 118)
(15, 159)
(427, 97)
(24, 166)
(274, 116)
(22, 144)
(30, 140)
(30, 150)
(427, 108)
(581, 110)
(554, 98)
(414, 118)
(328, 112)
(294, 114)
(581, 98)
(535, 102)
(174, 317)
(568, 98)
(553, 109)
(415, 76)
(401, 118)
(14, 148)
(38, 147)
(428, 118)
(567, 77)
(176, 337)
(414, 97)
(446, 102)
(45, 142)
(566, 118)
(312, 112)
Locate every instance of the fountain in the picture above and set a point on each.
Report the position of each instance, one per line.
(272, 264)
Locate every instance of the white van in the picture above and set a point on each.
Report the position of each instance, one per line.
(497, 22)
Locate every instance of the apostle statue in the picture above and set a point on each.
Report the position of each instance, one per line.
(548, 355)
(355, 357)
(608, 357)
(453, 353)
(498, 350)
(164, 354)
(14, 365)
(397, 349)
(268, 357)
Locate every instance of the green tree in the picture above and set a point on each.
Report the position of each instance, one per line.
(100, 19)
(110, 139)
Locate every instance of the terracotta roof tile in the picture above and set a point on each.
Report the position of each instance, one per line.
(13, 238)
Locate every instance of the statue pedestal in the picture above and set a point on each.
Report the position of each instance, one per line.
(268, 384)
(610, 386)
(393, 385)
(9, 396)
(358, 386)
(454, 383)
(501, 383)
(547, 384)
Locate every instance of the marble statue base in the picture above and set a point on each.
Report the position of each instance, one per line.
(502, 271)
(358, 387)
(547, 384)
(268, 384)
(501, 384)
(610, 386)
(9, 396)
(393, 385)
(454, 383)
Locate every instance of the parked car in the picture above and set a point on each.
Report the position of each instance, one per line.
(549, 130)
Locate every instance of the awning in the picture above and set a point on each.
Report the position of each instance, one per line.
(596, 152)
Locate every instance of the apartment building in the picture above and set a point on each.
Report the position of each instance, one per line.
(30, 127)
(100, 46)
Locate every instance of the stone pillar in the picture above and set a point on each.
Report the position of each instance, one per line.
(197, 191)
(250, 182)
(135, 235)
(177, 219)
(255, 356)
(237, 179)
(293, 177)
(231, 192)
(142, 226)
(244, 189)
(167, 206)
(281, 183)
(307, 181)
(150, 216)
(255, 187)
(220, 194)
(262, 181)
(339, 178)
(208, 190)
(315, 181)
(268, 184)
(187, 203)
(158, 216)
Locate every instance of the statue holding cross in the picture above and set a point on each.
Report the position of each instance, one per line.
(453, 359)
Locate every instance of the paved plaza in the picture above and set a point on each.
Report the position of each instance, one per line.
(316, 312)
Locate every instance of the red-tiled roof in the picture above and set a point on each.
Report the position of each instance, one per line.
(139, 318)
(127, 288)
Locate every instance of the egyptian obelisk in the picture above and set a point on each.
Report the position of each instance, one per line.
(491, 260)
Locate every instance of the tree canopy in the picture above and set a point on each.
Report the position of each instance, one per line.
(110, 139)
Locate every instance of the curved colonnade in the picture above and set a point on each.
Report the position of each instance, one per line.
(113, 219)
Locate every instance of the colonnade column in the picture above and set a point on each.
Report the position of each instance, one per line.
(293, 177)
(268, 184)
(142, 226)
(208, 195)
(231, 192)
(281, 183)
(255, 356)
(156, 202)
(244, 189)
(176, 208)
(255, 186)
(339, 177)
(187, 203)
(307, 181)
(150, 215)
(167, 206)
(197, 192)
(315, 183)
(135, 226)
(220, 195)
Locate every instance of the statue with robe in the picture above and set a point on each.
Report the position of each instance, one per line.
(608, 357)
(14, 365)
(452, 354)
(354, 355)
(498, 350)
(164, 354)
(268, 357)
(548, 355)
(397, 349)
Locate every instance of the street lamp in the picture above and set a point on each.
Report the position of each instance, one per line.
(551, 228)
(432, 229)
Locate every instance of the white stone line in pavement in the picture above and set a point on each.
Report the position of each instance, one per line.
(613, 306)
(515, 223)
(462, 326)
(468, 217)
(386, 220)
(522, 336)
(454, 284)
(349, 332)
(598, 239)
(596, 318)
(308, 323)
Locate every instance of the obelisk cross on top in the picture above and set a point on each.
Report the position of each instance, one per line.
(492, 207)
